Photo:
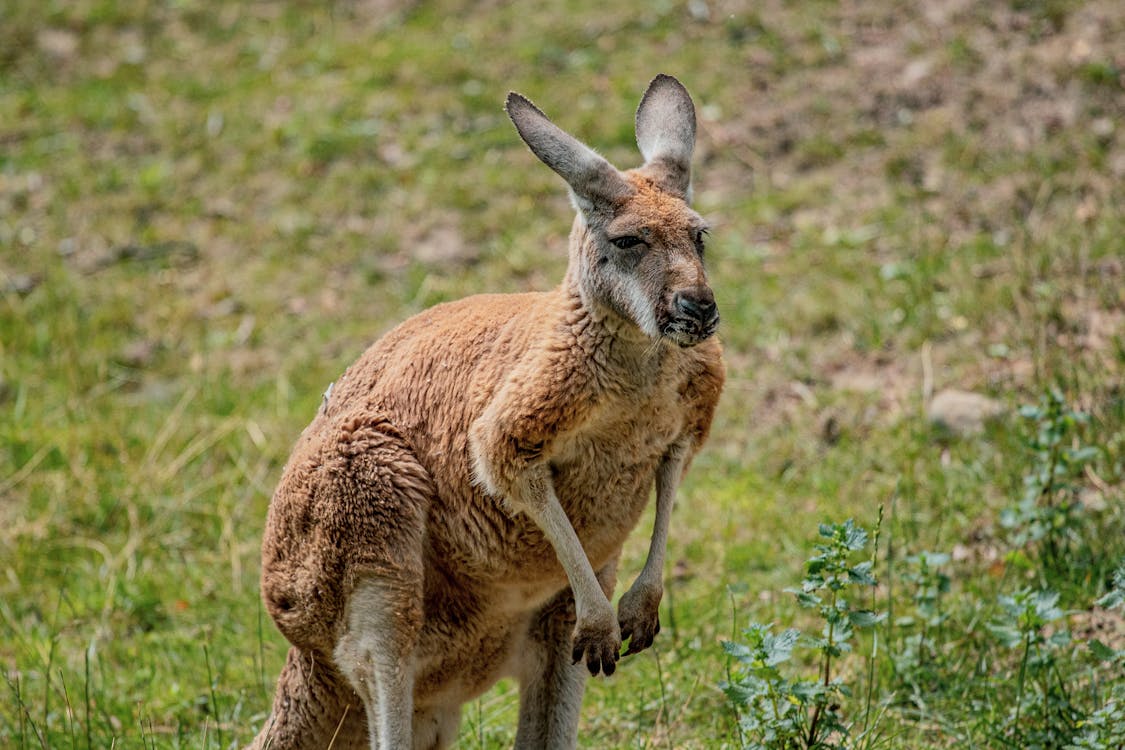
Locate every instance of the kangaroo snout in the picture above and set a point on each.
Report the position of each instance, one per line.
(695, 316)
(699, 303)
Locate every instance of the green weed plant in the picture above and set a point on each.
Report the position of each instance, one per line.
(919, 656)
(1044, 714)
(1011, 657)
(1047, 521)
(782, 713)
(1105, 727)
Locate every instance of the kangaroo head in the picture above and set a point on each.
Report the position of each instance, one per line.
(637, 250)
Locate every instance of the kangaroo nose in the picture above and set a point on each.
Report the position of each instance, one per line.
(698, 303)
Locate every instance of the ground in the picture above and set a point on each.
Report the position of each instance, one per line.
(208, 210)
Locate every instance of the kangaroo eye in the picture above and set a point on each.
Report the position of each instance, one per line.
(626, 242)
(699, 240)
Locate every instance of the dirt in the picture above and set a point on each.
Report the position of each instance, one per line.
(933, 100)
(1107, 626)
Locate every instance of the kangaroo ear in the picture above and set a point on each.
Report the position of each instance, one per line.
(666, 133)
(593, 181)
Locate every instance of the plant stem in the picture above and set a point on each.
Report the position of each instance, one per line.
(1019, 682)
(1046, 493)
(772, 693)
(214, 699)
(89, 735)
(1045, 686)
(730, 661)
(875, 630)
(811, 739)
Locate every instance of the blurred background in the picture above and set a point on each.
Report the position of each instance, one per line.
(208, 210)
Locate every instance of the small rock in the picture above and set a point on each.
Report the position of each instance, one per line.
(60, 44)
(963, 412)
(21, 284)
(699, 10)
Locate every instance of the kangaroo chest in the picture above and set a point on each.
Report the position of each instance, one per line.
(603, 476)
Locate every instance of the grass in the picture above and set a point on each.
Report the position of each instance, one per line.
(208, 210)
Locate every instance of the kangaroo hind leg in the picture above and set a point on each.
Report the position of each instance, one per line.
(376, 654)
(314, 708)
(551, 684)
(382, 498)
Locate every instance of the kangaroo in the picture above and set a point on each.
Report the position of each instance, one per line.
(455, 512)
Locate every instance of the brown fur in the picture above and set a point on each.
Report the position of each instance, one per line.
(407, 477)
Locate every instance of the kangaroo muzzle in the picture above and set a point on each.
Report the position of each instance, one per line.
(695, 316)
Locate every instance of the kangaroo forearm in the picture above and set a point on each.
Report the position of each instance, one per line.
(667, 481)
(535, 496)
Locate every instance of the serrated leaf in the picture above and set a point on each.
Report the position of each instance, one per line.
(1114, 599)
(1119, 578)
(855, 537)
(738, 650)
(806, 599)
(739, 693)
(861, 574)
(779, 648)
(806, 692)
(1059, 638)
(1008, 635)
(815, 565)
(865, 618)
(1046, 606)
(1103, 652)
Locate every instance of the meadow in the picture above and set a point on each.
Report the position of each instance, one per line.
(208, 210)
